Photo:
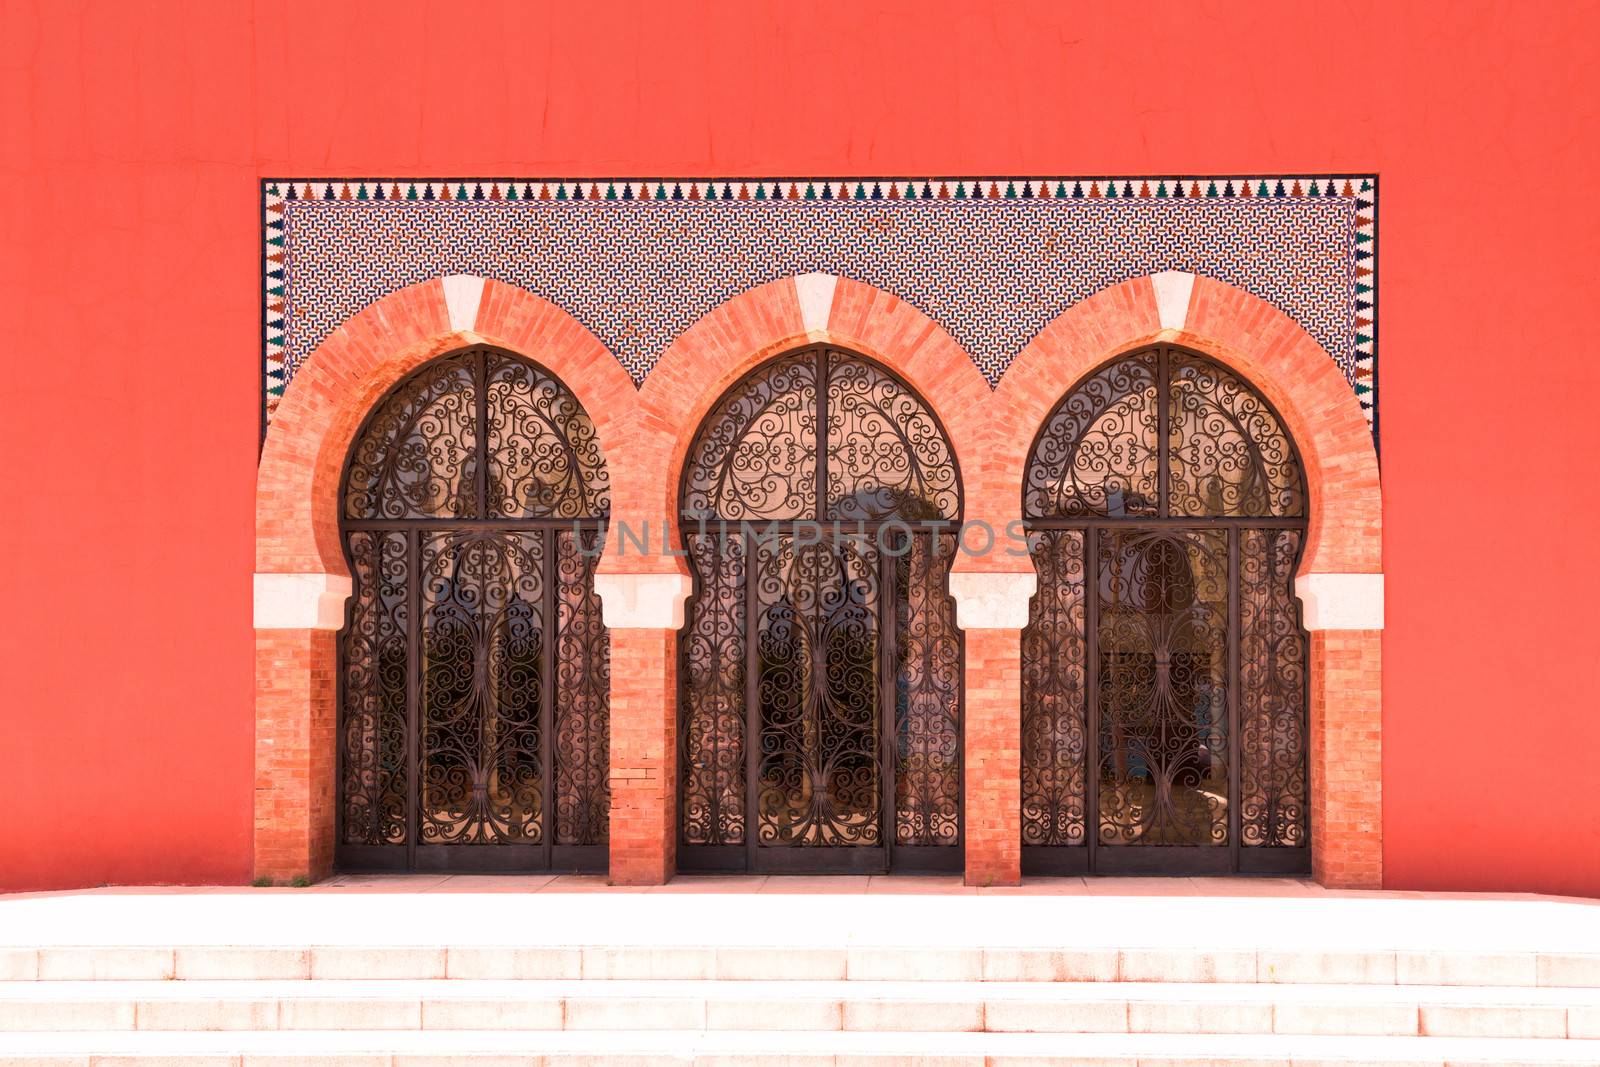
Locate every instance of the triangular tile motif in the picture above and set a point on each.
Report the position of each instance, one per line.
(272, 303)
(959, 247)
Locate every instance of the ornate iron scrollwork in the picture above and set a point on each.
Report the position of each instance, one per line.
(1272, 691)
(1099, 451)
(1228, 452)
(417, 455)
(544, 457)
(1163, 684)
(887, 456)
(817, 609)
(581, 734)
(483, 632)
(927, 656)
(713, 789)
(834, 655)
(474, 667)
(1054, 687)
(374, 649)
(1164, 674)
(756, 455)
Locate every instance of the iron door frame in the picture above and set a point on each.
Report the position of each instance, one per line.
(1093, 857)
(888, 856)
(412, 856)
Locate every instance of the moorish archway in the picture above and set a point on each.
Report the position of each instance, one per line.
(821, 665)
(1338, 581)
(1164, 704)
(473, 667)
(301, 582)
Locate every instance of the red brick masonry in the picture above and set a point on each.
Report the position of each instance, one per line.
(992, 726)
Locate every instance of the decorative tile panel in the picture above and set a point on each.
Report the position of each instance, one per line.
(992, 260)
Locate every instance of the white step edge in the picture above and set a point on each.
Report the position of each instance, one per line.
(387, 1049)
(817, 1006)
(1339, 966)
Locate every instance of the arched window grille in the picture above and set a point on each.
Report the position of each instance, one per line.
(473, 664)
(821, 675)
(1164, 664)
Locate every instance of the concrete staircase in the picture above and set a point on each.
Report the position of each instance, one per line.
(753, 1004)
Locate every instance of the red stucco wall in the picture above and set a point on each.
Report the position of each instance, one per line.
(134, 136)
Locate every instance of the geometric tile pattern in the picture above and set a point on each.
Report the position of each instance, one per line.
(991, 259)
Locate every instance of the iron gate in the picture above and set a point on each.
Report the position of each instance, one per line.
(1164, 665)
(473, 662)
(821, 677)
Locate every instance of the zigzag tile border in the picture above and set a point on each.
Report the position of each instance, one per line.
(991, 259)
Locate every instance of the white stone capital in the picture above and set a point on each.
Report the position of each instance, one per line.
(992, 601)
(816, 299)
(300, 601)
(1341, 601)
(1173, 289)
(462, 295)
(642, 601)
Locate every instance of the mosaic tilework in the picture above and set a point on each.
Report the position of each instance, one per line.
(991, 260)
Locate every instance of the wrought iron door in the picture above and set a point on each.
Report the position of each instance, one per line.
(821, 675)
(1164, 664)
(473, 663)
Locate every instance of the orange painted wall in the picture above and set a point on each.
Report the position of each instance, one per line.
(134, 135)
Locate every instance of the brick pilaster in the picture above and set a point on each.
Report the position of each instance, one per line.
(644, 755)
(294, 784)
(993, 757)
(1347, 758)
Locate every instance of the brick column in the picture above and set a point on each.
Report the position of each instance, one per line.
(1344, 614)
(644, 613)
(296, 618)
(992, 609)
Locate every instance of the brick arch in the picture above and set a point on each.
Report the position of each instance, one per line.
(1249, 335)
(297, 486)
(1340, 578)
(302, 579)
(648, 590)
(709, 357)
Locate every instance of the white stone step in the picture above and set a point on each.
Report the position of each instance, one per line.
(790, 962)
(365, 1048)
(1519, 933)
(467, 1004)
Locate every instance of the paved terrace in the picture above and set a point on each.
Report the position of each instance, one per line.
(401, 910)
